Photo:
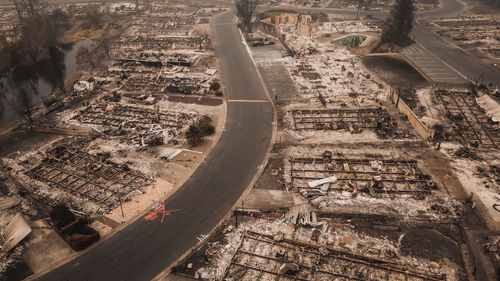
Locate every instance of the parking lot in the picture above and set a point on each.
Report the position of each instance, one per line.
(431, 66)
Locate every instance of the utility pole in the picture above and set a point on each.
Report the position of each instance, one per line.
(121, 207)
(236, 214)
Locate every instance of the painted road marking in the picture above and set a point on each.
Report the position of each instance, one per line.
(159, 208)
(202, 237)
(430, 65)
(264, 101)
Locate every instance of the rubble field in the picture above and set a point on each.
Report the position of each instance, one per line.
(383, 5)
(267, 248)
(337, 96)
(92, 178)
(348, 152)
(470, 122)
(118, 142)
(355, 120)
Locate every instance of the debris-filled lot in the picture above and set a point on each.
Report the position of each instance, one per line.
(267, 248)
(92, 178)
(139, 125)
(471, 123)
(365, 179)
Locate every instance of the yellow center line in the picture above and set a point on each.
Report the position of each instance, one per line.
(247, 101)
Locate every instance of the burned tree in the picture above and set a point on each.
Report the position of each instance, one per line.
(399, 24)
(61, 20)
(23, 102)
(37, 39)
(82, 55)
(197, 132)
(106, 46)
(19, 9)
(33, 6)
(244, 11)
(360, 5)
(27, 8)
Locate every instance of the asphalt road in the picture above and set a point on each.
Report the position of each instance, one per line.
(458, 59)
(431, 66)
(448, 8)
(462, 62)
(145, 248)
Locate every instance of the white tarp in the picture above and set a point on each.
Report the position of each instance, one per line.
(15, 232)
(491, 107)
(322, 181)
(169, 152)
(211, 71)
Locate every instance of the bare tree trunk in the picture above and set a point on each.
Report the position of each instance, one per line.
(24, 101)
(57, 69)
(19, 9)
(245, 11)
(31, 5)
(107, 48)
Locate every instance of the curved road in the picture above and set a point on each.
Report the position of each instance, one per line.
(145, 248)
